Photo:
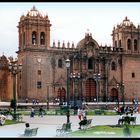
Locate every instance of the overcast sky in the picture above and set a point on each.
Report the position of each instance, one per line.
(70, 21)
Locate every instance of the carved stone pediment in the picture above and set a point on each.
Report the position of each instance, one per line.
(113, 82)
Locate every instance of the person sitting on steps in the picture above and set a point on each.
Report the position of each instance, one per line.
(83, 122)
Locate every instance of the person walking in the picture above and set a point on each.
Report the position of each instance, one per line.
(32, 112)
(83, 112)
(41, 111)
(79, 113)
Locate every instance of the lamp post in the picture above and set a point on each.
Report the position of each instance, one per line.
(68, 126)
(122, 90)
(118, 97)
(14, 69)
(48, 97)
(97, 77)
(75, 77)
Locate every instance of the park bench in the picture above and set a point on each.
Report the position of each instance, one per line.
(129, 120)
(62, 130)
(133, 120)
(87, 125)
(30, 132)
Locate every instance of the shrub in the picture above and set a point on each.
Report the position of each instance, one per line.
(99, 112)
(90, 112)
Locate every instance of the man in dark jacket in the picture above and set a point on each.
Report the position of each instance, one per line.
(83, 122)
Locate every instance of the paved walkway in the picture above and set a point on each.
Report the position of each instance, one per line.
(48, 124)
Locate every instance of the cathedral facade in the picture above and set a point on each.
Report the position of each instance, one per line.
(97, 73)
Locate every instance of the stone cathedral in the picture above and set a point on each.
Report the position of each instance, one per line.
(97, 73)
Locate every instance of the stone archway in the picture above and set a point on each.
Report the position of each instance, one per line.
(90, 90)
(113, 95)
(61, 94)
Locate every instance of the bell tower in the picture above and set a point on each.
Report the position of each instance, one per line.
(34, 31)
(126, 36)
(33, 53)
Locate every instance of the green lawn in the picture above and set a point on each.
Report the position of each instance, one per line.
(106, 131)
(9, 122)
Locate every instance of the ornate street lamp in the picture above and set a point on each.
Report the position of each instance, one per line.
(122, 90)
(68, 126)
(97, 77)
(76, 77)
(118, 96)
(48, 97)
(14, 69)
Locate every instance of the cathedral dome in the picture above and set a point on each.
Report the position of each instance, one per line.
(126, 23)
(88, 40)
(34, 12)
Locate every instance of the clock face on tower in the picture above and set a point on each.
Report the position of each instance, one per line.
(39, 60)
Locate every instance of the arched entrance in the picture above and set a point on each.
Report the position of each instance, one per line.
(90, 90)
(113, 95)
(61, 94)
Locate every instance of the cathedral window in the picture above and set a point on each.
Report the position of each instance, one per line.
(90, 63)
(120, 44)
(39, 84)
(42, 38)
(60, 63)
(113, 66)
(116, 44)
(135, 45)
(133, 75)
(39, 72)
(34, 38)
(129, 44)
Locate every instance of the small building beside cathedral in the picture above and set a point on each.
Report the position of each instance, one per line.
(97, 73)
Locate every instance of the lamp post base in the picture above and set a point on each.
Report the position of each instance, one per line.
(48, 105)
(14, 117)
(68, 126)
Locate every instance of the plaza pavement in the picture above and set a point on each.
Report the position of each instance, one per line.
(47, 124)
